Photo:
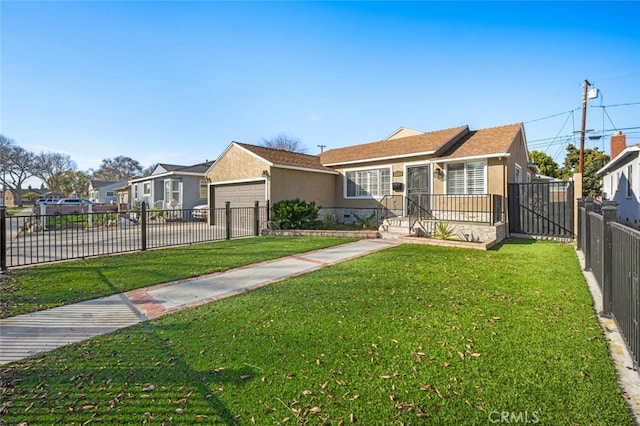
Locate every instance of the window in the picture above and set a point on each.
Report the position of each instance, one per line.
(368, 183)
(629, 181)
(171, 190)
(518, 174)
(204, 186)
(466, 178)
(136, 196)
(110, 193)
(146, 188)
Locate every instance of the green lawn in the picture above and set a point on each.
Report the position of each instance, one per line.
(410, 335)
(47, 286)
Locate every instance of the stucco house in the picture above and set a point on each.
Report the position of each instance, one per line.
(171, 186)
(621, 179)
(103, 192)
(404, 172)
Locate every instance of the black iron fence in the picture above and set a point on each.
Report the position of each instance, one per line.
(544, 208)
(612, 252)
(477, 208)
(38, 238)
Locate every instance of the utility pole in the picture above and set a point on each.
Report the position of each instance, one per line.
(585, 86)
(322, 147)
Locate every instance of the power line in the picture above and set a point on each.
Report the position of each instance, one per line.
(552, 116)
(615, 105)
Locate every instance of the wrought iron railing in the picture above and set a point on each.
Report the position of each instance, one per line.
(33, 239)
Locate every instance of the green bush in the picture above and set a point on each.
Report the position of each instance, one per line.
(295, 214)
(443, 231)
(366, 222)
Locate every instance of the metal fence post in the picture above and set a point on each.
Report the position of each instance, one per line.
(256, 217)
(143, 225)
(3, 238)
(268, 210)
(588, 208)
(227, 212)
(609, 213)
(578, 228)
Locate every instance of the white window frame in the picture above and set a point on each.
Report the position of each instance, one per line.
(466, 170)
(174, 193)
(518, 174)
(366, 173)
(204, 188)
(146, 189)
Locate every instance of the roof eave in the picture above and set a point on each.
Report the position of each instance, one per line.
(630, 150)
(370, 160)
(304, 169)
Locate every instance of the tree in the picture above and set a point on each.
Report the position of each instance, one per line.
(284, 142)
(117, 169)
(546, 164)
(594, 160)
(51, 168)
(75, 182)
(16, 164)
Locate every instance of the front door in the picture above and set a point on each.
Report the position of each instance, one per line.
(418, 189)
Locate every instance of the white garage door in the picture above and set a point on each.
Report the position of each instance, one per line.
(240, 195)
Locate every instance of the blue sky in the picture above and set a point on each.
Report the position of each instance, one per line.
(176, 82)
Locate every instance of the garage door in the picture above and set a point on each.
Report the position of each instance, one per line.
(240, 195)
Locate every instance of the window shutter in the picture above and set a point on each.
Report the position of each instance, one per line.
(475, 178)
(455, 179)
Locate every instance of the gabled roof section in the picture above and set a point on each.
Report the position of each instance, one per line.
(492, 142)
(622, 158)
(95, 184)
(285, 159)
(164, 168)
(421, 144)
(403, 132)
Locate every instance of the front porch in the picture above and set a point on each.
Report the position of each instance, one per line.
(461, 217)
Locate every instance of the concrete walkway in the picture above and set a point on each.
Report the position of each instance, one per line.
(30, 334)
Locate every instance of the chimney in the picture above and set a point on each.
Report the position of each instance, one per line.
(618, 143)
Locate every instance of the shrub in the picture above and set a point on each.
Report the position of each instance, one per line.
(366, 222)
(329, 221)
(443, 231)
(295, 214)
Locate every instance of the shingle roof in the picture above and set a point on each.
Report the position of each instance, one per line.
(495, 140)
(196, 168)
(411, 145)
(279, 157)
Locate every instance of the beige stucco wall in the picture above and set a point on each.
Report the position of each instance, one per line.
(518, 156)
(236, 165)
(287, 184)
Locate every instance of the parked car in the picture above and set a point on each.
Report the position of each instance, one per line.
(200, 212)
(43, 201)
(73, 202)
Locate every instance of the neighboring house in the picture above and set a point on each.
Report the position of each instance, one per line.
(171, 186)
(406, 168)
(103, 192)
(28, 196)
(621, 179)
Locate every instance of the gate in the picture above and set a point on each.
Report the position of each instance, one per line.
(544, 209)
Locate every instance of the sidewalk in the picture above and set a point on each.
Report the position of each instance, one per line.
(30, 334)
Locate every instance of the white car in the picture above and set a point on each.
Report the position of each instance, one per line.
(70, 201)
(200, 212)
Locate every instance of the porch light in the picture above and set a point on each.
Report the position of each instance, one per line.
(438, 173)
(265, 173)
